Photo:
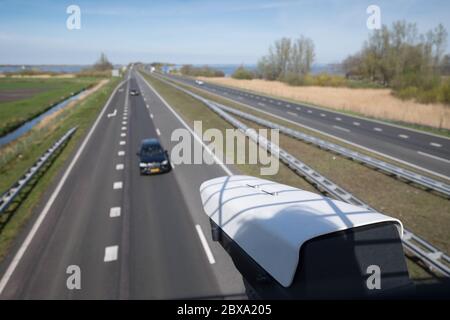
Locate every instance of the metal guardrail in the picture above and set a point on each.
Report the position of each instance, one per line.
(8, 197)
(435, 259)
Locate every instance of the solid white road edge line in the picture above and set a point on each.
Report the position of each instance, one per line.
(205, 244)
(433, 157)
(12, 266)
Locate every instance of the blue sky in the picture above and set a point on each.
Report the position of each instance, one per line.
(194, 31)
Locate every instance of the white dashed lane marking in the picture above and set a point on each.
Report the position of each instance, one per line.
(378, 129)
(403, 136)
(121, 153)
(338, 119)
(122, 143)
(356, 123)
(117, 185)
(158, 132)
(437, 145)
(114, 212)
(342, 129)
(111, 253)
(119, 166)
(123, 134)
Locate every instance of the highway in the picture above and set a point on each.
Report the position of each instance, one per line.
(428, 152)
(132, 236)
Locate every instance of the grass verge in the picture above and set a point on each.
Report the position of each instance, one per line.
(33, 97)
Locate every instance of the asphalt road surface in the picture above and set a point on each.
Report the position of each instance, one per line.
(132, 236)
(428, 152)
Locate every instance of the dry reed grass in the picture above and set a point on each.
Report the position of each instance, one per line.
(376, 103)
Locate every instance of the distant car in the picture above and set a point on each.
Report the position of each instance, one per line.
(153, 158)
(134, 92)
(199, 82)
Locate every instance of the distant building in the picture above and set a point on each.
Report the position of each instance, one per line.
(115, 73)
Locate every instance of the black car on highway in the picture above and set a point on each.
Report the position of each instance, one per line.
(153, 158)
(134, 92)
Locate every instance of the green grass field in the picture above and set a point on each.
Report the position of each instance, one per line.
(22, 99)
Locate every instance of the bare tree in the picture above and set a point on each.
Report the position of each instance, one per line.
(103, 63)
(288, 60)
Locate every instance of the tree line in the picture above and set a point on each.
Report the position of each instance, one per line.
(413, 64)
(205, 71)
(409, 62)
(399, 54)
